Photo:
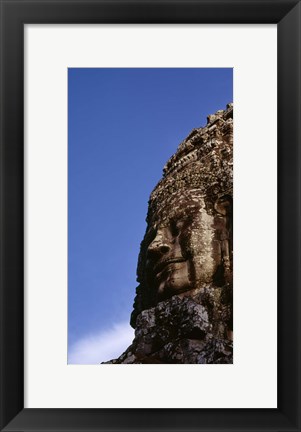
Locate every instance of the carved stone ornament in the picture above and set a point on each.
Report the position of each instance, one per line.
(183, 305)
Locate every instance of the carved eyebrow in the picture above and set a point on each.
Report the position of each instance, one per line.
(177, 222)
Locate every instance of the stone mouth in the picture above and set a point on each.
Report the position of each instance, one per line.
(162, 264)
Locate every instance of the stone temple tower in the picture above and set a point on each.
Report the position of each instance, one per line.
(183, 309)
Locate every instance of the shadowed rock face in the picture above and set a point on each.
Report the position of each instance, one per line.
(183, 306)
(192, 328)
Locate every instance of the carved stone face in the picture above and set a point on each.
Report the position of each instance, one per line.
(182, 252)
(188, 240)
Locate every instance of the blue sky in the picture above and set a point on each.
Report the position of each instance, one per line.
(123, 125)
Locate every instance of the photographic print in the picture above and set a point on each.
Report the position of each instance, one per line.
(150, 216)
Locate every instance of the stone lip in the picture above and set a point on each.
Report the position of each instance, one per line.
(186, 329)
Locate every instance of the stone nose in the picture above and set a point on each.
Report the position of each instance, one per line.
(159, 246)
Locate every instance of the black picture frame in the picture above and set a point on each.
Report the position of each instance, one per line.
(16, 13)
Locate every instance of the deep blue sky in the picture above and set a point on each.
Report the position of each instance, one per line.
(123, 125)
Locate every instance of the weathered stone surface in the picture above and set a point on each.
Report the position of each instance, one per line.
(188, 328)
(183, 305)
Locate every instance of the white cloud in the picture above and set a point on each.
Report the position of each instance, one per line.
(103, 346)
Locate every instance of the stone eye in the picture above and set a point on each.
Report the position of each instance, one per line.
(175, 228)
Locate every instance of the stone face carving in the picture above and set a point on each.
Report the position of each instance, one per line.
(182, 254)
(188, 240)
(183, 305)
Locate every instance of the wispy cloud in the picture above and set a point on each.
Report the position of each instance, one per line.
(102, 346)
